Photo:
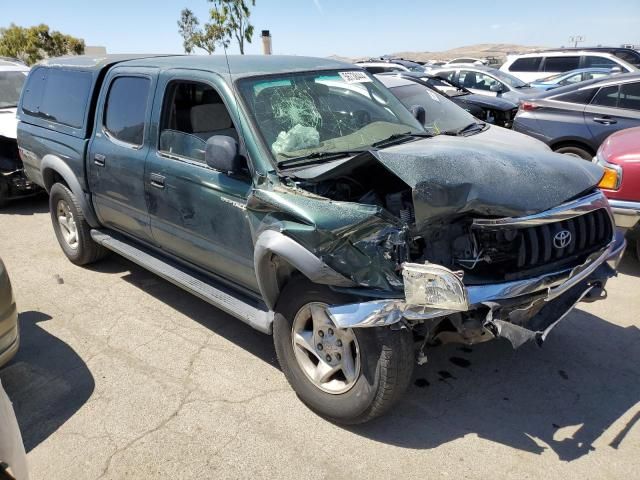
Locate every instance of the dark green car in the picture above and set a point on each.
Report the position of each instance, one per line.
(301, 196)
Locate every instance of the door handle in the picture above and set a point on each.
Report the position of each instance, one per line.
(605, 120)
(157, 181)
(99, 159)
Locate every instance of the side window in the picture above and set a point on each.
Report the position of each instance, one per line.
(448, 75)
(58, 95)
(528, 64)
(630, 96)
(606, 97)
(126, 109)
(192, 113)
(591, 61)
(561, 64)
(476, 80)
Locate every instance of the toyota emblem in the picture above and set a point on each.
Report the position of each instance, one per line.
(562, 239)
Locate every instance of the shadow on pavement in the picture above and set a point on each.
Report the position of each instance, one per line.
(47, 381)
(630, 265)
(38, 203)
(207, 315)
(562, 396)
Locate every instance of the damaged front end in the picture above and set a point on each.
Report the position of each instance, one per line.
(13, 182)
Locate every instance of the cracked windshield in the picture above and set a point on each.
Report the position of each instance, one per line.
(304, 114)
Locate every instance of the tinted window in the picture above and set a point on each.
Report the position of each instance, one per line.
(606, 97)
(578, 96)
(448, 75)
(575, 78)
(529, 64)
(630, 57)
(561, 64)
(375, 70)
(58, 95)
(598, 62)
(10, 87)
(630, 96)
(476, 80)
(126, 109)
(193, 113)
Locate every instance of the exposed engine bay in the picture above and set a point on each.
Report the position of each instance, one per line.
(485, 255)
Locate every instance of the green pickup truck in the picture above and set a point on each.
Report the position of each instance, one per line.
(302, 197)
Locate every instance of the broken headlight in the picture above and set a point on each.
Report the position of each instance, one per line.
(433, 286)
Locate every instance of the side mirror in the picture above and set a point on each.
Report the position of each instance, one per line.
(496, 87)
(615, 70)
(221, 153)
(420, 113)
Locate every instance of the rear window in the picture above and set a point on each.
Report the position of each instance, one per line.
(10, 87)
(126, 109)
(561, 64)
(528, 64)
(58, 95)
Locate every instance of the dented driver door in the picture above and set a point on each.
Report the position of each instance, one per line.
(197, 214)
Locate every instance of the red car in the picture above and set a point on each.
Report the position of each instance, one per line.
(620, 156)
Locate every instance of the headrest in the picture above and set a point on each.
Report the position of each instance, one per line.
(209, 117)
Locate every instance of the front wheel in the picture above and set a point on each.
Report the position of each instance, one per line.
(574, 151)
(349, 376)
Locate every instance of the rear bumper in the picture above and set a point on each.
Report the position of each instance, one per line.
(626, 214)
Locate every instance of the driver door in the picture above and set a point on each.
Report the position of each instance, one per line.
(197, 214)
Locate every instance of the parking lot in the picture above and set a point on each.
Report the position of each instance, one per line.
(122, 375)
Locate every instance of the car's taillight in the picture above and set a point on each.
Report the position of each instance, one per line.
(528, 106)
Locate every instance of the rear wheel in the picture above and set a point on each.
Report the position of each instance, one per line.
(72, 230)
(574, 151)
(346, 375)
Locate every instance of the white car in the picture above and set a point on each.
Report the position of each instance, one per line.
(532, 66)
(391, 65)
(13, 183)
(468, 60)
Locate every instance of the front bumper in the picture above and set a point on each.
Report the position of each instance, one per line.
(592, 273)
(626, 214)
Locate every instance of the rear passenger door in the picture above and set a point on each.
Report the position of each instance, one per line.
(117, 154)
(613, 108)
(197, 213)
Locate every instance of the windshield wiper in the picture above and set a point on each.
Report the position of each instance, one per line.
(466, 129)
(399, 136)
(316, 157)
(526, 85)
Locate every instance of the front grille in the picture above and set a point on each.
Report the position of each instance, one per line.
(518, 252)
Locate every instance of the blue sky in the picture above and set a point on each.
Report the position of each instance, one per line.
(345, 27)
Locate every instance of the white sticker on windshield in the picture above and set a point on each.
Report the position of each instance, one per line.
(354, 77)
(433, 95)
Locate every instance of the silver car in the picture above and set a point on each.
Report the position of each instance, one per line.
(9, 338)
(576, 119)
(487, 81)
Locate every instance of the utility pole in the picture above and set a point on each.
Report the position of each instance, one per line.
(575, 39)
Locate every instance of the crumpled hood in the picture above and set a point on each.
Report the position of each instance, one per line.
(496, 173)
(8, 123)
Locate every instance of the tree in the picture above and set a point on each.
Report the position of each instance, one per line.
(228, 19)
(234, 19)
(32, 44)
(206, 38)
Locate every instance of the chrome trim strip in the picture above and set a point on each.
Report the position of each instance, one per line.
(562, 212)
(625, 205)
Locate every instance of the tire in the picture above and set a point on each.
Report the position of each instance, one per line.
(575, 152)
(385, 358)
(4, 192)
(83, 250)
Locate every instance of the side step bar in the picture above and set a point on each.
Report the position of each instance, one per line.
(217, 295)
